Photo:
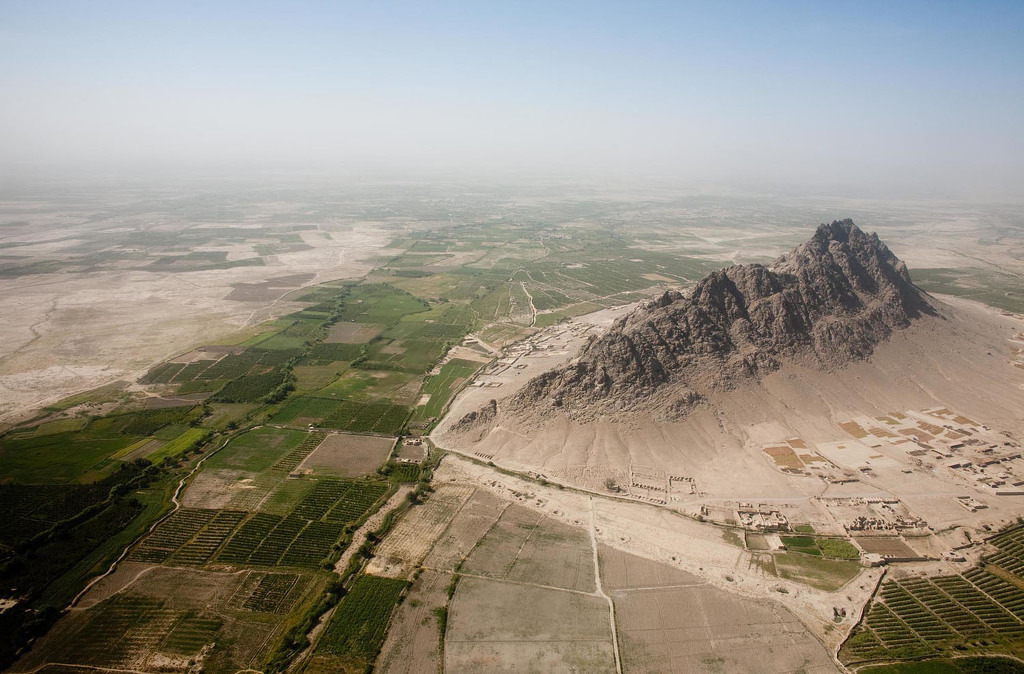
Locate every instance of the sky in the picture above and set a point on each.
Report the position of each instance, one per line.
(922, 98)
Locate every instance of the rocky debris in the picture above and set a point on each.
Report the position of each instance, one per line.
(825, 303)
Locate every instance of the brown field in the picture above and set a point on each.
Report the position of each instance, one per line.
(494, 626)
(415, 534)
(756, 542)
(475, 518)
(854, 429)
(784, 457)
(621, 570)
(526, 547)
(886, 546)
(348, 455)
(413, 644)
(223, 488)
(345, 332)
(700, 628)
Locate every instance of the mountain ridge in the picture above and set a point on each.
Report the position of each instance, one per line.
(827, 302)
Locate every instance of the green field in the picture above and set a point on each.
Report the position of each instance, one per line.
(357, 628)
(441, 386)
(257, 450)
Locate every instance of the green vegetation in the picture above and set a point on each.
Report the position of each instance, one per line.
(441, 386)
(356, 630)
(824, 574)
(838, 549)
(977, 612)
(804, 544)
(304, 536)
(967, 665)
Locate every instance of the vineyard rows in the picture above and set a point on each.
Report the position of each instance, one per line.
(917, 617)
(304, 538)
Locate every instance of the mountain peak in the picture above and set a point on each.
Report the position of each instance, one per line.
(828, 301)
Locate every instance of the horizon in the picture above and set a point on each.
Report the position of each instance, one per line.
(918, 101)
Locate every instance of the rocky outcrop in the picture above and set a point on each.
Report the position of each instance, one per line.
(827, 302)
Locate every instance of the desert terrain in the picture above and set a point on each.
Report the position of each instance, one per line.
(268, 401)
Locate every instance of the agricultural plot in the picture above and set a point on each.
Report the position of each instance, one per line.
(525, 547)
(378, 303)
(31, 509)
(172, 535)
(366, 385)
(687, 626)
(471, 522)
(621, 570)
(250, 388)
(497, 626)
(61, 457)
(414, 356)
(357, 501)
(268, 592)
(330, 352)
(174, 617)
(887, 546)
(350, 332)
(257, 449)
(813, 570)
(979, 611)
(306, 410)
(417, 531)
(441, 386)
(413, 643)
(357, 417)
(356, 631)
(348, 455)
(297, 455)
(306, 536)
(187, 440)
(303, 537)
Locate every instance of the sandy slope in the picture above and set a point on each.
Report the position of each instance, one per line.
(959, 359)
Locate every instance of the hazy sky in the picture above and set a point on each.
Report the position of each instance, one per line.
(922, 95)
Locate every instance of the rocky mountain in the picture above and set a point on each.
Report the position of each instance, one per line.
(825, 303)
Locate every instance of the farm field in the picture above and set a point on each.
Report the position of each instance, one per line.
(355, 632)
(172, 616)
(501, 626)
(526, 547)
(302, 533)
(347, 455)
(680, 625)
(417, 532)
(980, 611)
(413, 643)
(439, 387)
(473, 520)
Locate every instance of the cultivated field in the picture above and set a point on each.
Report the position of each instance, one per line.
(669, 621)
(526, 547)
(978, 611)
(496, 626)
(170, 618)
(413, 644)
(416, 534)
(348, 455)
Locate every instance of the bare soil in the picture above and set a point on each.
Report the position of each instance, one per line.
(348, 455)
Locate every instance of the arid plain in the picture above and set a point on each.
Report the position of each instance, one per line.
(280, 381)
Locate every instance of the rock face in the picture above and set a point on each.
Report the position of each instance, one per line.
(829, 301)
